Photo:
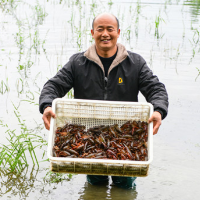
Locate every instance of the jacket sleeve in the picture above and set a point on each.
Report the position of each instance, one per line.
(153, 90)
(57, 86)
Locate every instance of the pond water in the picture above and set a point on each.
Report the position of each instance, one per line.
(38, 37)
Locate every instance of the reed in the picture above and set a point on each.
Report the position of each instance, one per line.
(93, 7)
(198, 73)
(19, 86)
(79, 36)
(40, 14)
(4, 86)
(176, 57)
(70, 94)
(110, 3)
(14, 155)
(157, 22)
(127, 33)
(8, 5)
(19, 39)
(137, 11)
(195, 43)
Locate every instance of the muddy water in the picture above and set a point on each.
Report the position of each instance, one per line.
(49, 32)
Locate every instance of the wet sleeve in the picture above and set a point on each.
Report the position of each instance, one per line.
(57, 87)
(153, 90)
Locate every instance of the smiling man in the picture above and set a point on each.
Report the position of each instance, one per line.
(106, 71)
(105, 33)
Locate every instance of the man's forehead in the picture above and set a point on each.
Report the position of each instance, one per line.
(105, 15)
(108, 19)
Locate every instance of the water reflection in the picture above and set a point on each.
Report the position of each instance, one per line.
(107, 191)
(194, 9)
(17, 184)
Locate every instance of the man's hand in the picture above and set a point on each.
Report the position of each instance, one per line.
(48, 113)
(156, 119)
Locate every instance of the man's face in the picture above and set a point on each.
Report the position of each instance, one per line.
(105, 33)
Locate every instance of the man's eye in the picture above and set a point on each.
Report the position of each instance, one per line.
(110, 29)
(99, 29)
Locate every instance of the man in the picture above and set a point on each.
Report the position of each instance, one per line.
(106, 71)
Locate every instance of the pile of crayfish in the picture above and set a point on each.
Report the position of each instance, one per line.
(128, 142)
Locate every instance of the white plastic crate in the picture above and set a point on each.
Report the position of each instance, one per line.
(92, 113)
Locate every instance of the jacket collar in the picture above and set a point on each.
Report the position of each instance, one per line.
(91, 54)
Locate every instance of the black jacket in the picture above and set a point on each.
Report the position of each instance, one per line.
(127, 75)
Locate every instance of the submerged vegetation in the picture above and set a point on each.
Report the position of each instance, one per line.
(37, 39)
(56, 177)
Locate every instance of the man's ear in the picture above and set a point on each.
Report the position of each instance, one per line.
(118, 32)
(92, 32)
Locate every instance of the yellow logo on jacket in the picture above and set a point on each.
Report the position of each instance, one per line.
(120, 80)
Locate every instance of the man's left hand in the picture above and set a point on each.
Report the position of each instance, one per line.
(156, 119)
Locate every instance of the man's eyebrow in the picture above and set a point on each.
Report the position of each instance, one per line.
(101, 26)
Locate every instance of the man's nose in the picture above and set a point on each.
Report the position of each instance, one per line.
(105, 33)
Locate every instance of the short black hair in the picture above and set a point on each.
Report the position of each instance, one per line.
(112, 15)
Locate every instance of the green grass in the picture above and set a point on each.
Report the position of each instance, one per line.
(14, 154)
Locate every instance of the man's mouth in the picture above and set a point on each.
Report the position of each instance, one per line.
(105, 40)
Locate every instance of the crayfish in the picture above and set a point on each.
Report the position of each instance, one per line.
(128, 142)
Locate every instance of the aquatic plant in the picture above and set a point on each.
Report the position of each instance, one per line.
(196, 36)
(177, 56)
(93, 7)
(53, 177)
(19, 86)
(40, 14)
(78, 37)
(138, 11)
(198, 73)
(70, 94)
(110, 3)
(151, 59)
(157, 22)
(8, 5)
(27, 35)
(127, 33)
(4, 86)
(195, 42)
(19, 39)
(24, 68)
(14, 155)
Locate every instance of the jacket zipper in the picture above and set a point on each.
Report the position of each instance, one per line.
(105, 85)
(105, 88)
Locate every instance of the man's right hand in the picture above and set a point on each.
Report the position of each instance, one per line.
(48, 113)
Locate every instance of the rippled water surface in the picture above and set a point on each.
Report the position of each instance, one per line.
(36, 40)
